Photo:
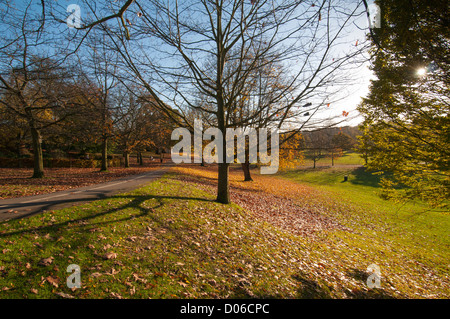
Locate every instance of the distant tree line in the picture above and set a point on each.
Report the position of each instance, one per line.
(52, 111)
(329, 142)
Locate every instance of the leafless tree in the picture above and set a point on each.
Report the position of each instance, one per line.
(101, 68)
(176, 50)
(34, 84)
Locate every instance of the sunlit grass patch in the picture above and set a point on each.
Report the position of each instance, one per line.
(170, 239)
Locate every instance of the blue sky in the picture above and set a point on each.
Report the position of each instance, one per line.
(350, 94)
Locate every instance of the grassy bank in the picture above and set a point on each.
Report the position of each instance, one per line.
(170, 239)
(412, 233)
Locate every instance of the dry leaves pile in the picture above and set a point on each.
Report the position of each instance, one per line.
(271, 199)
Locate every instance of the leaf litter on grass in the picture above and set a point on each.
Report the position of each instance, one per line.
(172, 240)
(272, 200)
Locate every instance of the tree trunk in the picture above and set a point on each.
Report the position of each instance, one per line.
(37, 150)
(332, 159)
(246, 169)
(104, 154)
(126, 155)
(223, 194)
(20, 147)
(223, 184)
(203, 162)
(141, 160)
(246, 165)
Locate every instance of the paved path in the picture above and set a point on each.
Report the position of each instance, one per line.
(13, 208)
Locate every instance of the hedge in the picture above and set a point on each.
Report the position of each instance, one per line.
(57, 163)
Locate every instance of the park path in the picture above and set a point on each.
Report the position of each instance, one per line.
(14, 208)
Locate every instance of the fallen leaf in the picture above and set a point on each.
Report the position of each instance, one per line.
(116, 295)
(113, 272)
(46, 261)
(110, 256)
(52, 281)
(64, 295)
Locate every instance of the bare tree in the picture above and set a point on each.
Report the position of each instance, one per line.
(140, 125)
(37, 84)
(176, 50)
(102, 71)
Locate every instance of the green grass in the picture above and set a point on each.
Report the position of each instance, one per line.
(172, 240)
(411, 233)
(359, 179)
(348, 158)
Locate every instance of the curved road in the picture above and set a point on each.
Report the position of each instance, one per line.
(13, 208)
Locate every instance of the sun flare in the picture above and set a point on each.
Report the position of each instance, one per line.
(421, 71)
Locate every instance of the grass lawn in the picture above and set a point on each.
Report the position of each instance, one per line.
(169, 239)
(412, 230)
(165, 240)
(348, 158)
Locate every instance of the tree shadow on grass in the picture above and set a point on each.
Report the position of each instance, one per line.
(240, 291)
(369, 293)
(360, 176)
(307, 289)
(69, 241)
(315, 289)
(136, 202)
(310, 289)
